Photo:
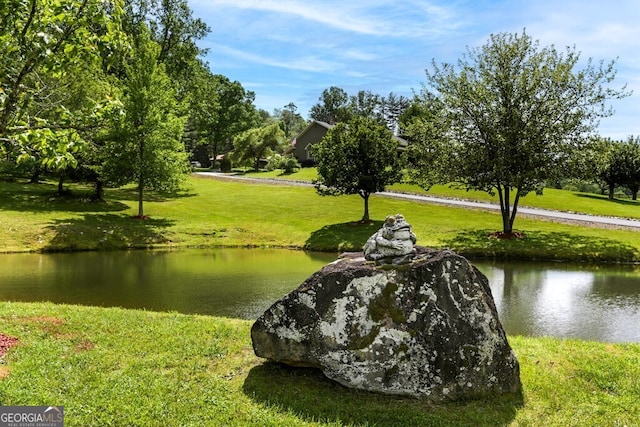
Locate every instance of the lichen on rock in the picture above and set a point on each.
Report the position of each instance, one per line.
(429, 329)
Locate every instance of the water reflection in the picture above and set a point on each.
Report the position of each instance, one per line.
(233, 282)
(561, 300)
(569, 301)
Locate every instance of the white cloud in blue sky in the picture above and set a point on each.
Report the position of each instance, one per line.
(291, 50)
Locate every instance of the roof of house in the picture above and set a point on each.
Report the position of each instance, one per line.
(403, 142)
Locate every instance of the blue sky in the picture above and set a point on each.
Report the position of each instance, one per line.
(291, 50)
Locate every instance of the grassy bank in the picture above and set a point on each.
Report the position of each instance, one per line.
(125, 367)
(553, 199)
(212, 213)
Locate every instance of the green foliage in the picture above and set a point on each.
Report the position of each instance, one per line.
(287, 163)
(626, 161)
(147, 149)
(336, 106)
(33, 218)
(516, 114)
(359, 157)
(258, 143)
(291, 121)
(219, 109)
(46, 46)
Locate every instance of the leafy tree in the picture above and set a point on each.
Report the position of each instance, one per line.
(221, 109)
(516, 114)
(336, 106)
(147, 148)
(333, 106)
(173, 27)
(257, 143)
(422, 122)
(360, 157)
(291, 121)
(626, 162)
(44, 46)
(597, 163)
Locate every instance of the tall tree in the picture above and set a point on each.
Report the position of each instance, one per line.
(221, 109)
(333, 106)
(598, 163)
(291, 121)
(173, 27)
(147, 149)
(517, 113)
(360, 157)
(626, 162)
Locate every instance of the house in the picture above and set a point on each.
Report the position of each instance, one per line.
(312, 134)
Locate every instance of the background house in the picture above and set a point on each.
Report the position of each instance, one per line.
(313, 133)
(310, 135)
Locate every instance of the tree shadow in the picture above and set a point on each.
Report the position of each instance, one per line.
(607, 199)
(312, 397)
(131, 194)
(537, 245)
(107, 232)
(44, 198)
(348, 236)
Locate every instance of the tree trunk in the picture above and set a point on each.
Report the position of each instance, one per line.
(35, 177)
(505, 208)
(611, 191)
(365, 216)
(98, 195)
(60, 184)
(141, 180)
(140, 197)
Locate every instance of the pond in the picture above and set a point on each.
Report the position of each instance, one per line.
(568, 301)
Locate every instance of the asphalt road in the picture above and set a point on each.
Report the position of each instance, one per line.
(592, 220)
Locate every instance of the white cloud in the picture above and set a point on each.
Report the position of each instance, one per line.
(381, 18)
(293, 49)
(308, 63)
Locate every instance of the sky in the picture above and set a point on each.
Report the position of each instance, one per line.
(291, 50)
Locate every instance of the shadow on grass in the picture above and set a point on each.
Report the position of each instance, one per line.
(537, 245)
(44, 198)
(131, 194)
(311, 396)
(348, 236)
(106, 232)
(606, 199)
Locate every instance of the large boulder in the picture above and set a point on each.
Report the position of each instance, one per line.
(427, 329)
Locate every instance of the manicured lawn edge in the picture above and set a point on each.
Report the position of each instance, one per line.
(215, 213)
(110, 366)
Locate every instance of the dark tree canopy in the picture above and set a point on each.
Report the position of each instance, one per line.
(514, 114)
(336, 106)
(619, 165)
(360, 157)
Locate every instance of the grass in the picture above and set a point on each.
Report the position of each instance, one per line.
(109, 366)
(554, 199)
(214, 213)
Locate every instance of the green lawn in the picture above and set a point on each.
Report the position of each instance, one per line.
(554, 199)
(214, 213)
(135, 368)
(115, 367)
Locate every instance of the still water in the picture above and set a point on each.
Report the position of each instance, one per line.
(568, 301)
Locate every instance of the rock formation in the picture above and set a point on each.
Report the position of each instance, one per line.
(427, 329)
